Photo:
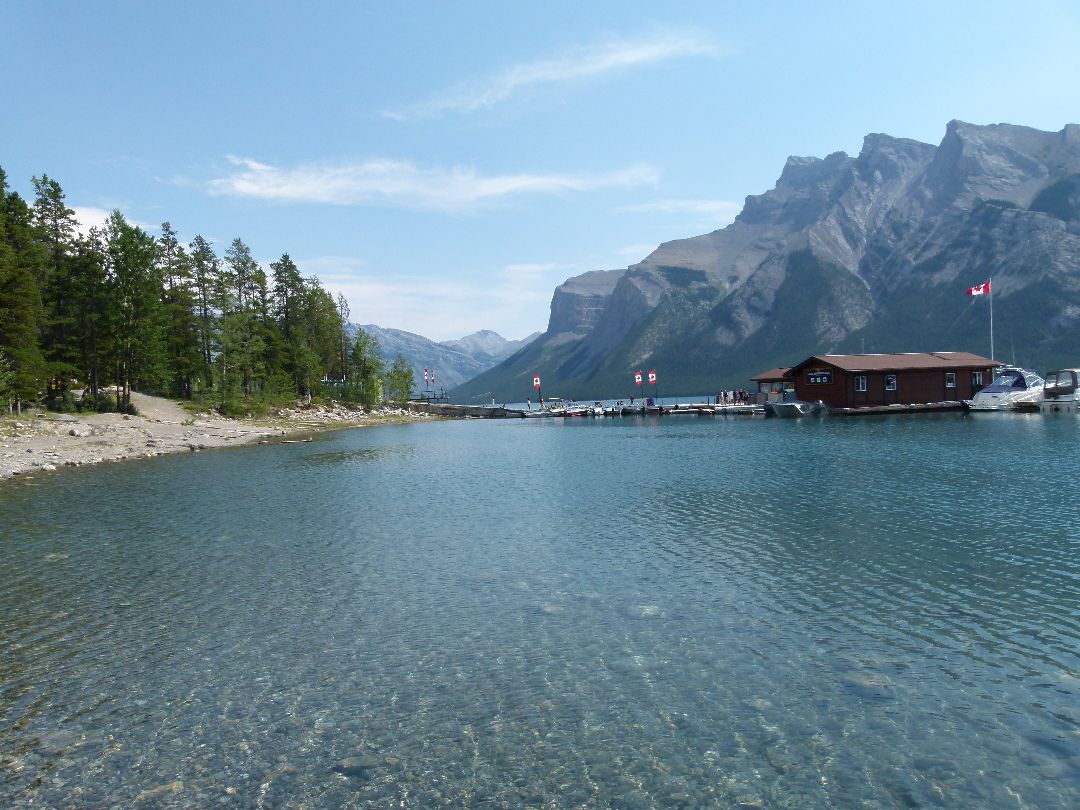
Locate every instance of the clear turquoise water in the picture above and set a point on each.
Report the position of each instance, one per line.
(691, 612)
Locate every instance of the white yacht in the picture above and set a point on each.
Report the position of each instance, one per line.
(796, 408)
(1061, 393)
(1015, 389)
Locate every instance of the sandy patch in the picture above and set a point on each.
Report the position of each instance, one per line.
(42, 442)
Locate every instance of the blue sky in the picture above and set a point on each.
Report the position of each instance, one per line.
(446, 165)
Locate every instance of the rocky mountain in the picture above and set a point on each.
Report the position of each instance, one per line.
(455, 362)
(870, 253)
(486, 345)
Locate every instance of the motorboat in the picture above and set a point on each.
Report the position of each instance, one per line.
(795, 408)
(1061, 392)
(1014, 389)
(538, 414)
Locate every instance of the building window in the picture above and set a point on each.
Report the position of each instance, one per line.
(950, 379)
(890, 382)
(976, 380)
(860, 383)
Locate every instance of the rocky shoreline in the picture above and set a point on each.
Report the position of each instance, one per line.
(36, 442)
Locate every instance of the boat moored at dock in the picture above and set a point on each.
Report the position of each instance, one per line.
(1061, 392)
(1014, 389)
(795, 408)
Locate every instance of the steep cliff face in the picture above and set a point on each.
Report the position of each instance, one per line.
(865, 253)
(578, 302)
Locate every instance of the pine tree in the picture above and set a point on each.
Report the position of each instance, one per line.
(20, 299)
(138, 322)
(205, 267)
(288, 302)
(400, 381)
(343, 338)
(55, 228)
(366, 369)
(90, 300)
(7, 383)
(247, 321)
(184, 351)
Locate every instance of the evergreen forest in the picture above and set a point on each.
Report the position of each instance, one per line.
(86, 319)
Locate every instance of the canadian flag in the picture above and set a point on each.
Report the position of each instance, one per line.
(652, 378)
(980, 289)
(637, 378)
(425, 375)
(536, 382)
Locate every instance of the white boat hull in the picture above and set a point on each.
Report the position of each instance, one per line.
(791, 410)
(1061, 393)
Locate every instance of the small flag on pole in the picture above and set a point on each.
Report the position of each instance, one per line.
(536, 382)
(637, 378)
(652, 378)
(980, 289)
(425, 376)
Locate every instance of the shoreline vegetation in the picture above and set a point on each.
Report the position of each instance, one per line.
(42, 441)
(88, 319)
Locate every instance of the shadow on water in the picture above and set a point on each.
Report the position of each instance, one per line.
(619, 613)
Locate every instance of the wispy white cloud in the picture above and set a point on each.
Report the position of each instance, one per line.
(401, 183)
(247, 163)
(583, 63)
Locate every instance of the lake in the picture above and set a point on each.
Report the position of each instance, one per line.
(690, 612)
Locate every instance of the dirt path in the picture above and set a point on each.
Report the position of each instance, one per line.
(42, 442)
(159, 409)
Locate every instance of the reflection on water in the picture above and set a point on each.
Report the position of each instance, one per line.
(613, 613)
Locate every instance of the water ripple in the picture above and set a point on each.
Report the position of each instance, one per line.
(615, 613)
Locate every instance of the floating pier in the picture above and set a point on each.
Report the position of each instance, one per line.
(922, 407)
(500, 412)
(462, 411)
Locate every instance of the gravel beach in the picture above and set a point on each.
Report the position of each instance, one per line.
(42, 442)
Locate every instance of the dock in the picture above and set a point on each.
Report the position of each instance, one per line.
(462, 411)
(502, 412)
(922, 407)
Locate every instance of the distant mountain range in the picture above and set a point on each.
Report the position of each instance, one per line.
(846, 254)
(455, 361)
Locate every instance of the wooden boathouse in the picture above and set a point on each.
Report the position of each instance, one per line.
(773, 381)
(874, 380)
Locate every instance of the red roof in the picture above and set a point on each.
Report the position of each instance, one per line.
(910, 361)
(775, 375)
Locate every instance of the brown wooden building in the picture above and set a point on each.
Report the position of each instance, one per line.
(773, 381)
(864, 380)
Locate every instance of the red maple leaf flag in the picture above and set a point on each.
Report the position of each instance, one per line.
(652, 378)
(536, 382)
(637, 378)
(980, 289)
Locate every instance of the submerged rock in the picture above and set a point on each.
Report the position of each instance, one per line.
(357, 766)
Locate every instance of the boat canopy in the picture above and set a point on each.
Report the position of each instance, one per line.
(1012, 380)
(1060, 383)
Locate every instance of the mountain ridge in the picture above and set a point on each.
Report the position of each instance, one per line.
(455, 361)
(864, 253)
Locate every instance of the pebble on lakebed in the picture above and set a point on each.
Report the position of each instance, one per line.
(357, 766)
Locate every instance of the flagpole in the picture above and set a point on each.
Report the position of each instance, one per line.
(991, 286)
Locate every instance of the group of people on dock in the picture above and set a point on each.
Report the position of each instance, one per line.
(736, 396)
